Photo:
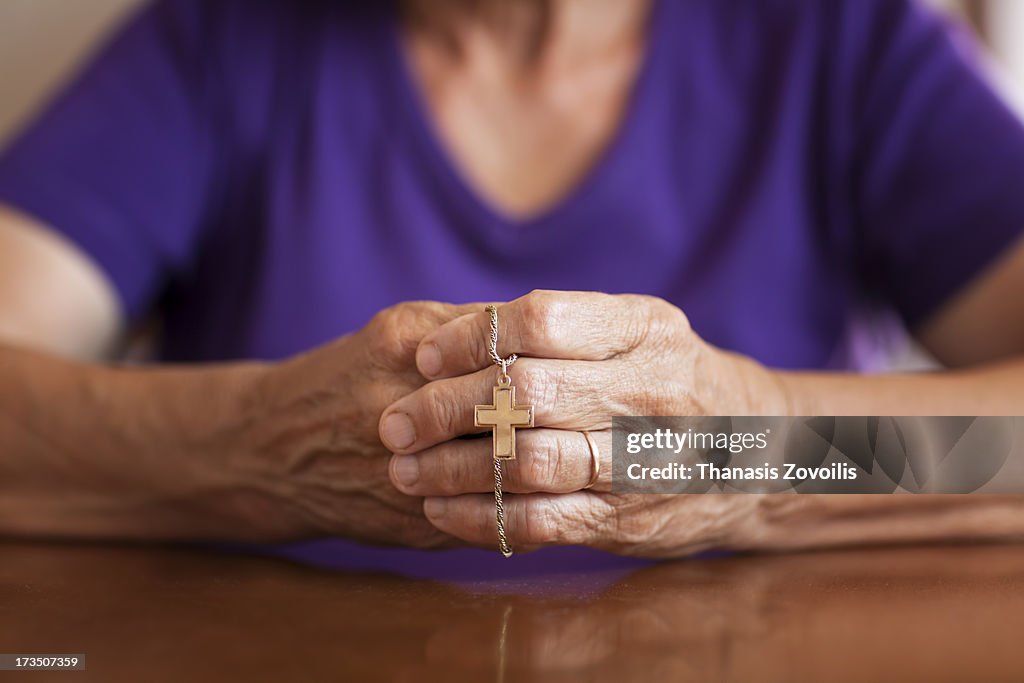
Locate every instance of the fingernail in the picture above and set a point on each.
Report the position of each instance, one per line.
(406, 469)
(397, 431)
(428, 359)
(435, 508)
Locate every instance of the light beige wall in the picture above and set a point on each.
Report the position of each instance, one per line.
(40, 41)
(1005, 26)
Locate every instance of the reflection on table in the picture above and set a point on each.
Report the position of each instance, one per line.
(156, 614)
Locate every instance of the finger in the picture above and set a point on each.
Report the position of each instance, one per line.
(564, 395)
(399, 329)
(547, 460)
(542, 324)
(531, 521)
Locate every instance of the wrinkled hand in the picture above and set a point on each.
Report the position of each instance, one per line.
(584, 358)
(311, 462)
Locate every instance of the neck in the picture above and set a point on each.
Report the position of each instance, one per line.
(526, 33)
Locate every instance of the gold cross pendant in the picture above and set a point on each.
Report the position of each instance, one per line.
(503, 417)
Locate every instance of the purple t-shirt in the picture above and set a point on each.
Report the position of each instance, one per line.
(266, 176)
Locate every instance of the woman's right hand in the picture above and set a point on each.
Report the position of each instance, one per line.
(307, 459)
(242, 451)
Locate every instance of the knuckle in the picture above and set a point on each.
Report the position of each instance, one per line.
(475, 345)
(658, 396)
(660, 400)
(592, 522)
(458, 474)
(530, 375)
(540, 386)
(541, 315)
(388, 324)
(545, 466)
(537, 523)
(664, 323)
(540, 297)
(628, 528)
(384, 319)
(442, 409)
(397, 327)
(669, 315)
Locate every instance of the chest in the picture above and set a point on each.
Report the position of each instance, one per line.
(522, 139)
(658, 183)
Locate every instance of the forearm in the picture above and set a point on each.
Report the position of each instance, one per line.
(95, 451)
(805, 521)
(996, 389)
(811, 521)
(739, 385)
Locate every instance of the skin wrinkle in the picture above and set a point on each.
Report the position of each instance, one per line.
(597, 519)
(323, 401)
(637, 335)
(557, 389)
(352, 484)
(52, 445)
(689, 377)
(306, 418)
(314, 462)
(639, 535)
(460, 460)
(546, 465)
(444, 408)
(541, 391)
(153, 430)
(539, 523)
(323, 511)
(464, 469)
(314, 481)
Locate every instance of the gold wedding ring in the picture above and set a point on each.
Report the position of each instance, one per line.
(595, 459)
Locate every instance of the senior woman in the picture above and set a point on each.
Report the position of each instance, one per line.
(267, 178)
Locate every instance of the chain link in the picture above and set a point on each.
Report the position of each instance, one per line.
(492, 351)
(504, 380)
(499, 511)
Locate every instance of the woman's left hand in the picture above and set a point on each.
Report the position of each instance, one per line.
(585, 357)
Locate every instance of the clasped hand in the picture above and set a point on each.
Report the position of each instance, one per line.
(362, 438)
(584, 357)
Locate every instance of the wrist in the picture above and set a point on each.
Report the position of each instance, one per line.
(175, 437)
(739, 385)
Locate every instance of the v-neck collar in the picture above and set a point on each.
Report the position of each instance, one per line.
(507, 231)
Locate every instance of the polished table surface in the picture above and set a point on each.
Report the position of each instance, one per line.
(174, 614)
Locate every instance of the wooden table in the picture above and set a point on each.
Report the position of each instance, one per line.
(166, 614)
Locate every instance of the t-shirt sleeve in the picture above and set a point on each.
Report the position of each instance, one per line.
(939, 172)
(121, 160)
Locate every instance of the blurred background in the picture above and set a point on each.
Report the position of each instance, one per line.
(42, 40)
